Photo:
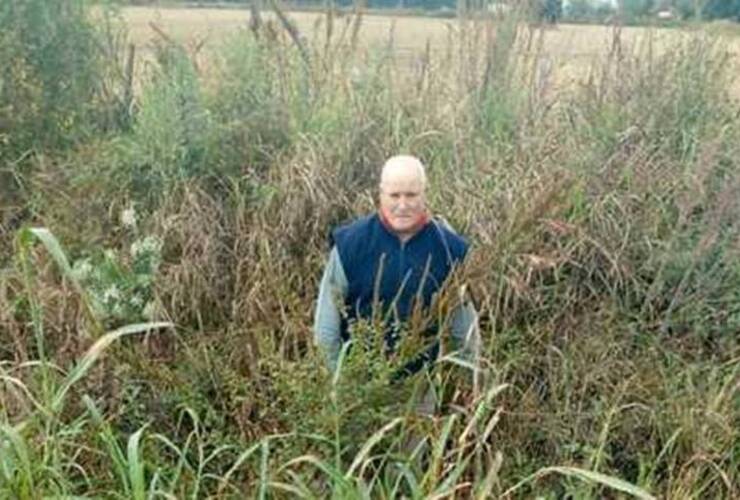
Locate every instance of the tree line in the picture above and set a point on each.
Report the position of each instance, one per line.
(550, 9)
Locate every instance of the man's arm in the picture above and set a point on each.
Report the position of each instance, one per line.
(466, 332)
(327, 319)
(464, 318)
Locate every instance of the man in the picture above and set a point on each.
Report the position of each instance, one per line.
(390, 263)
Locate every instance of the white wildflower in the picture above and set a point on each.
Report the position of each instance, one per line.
(136, 301)
(111, 294)
(147, 246)
(128, 217)
(117, 310)
(82, 269)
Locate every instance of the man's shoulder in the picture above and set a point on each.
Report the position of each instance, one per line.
(357, 223)
(352, 227)
(458, 245)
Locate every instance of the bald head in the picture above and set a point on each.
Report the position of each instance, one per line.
(402, 200)
(403, 168)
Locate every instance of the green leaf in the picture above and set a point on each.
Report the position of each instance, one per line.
(136, 465)
(20, 450)
(588, 476)
(369, 445)
(52, 246)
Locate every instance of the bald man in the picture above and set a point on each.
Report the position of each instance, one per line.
(393, 260)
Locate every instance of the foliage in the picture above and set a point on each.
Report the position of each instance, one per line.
(51, 77)
(587, 10)
(718, 9)
(605, 229)
(119, 293)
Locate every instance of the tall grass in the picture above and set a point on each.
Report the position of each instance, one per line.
(604, 223)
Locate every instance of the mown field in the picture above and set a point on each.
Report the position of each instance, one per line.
(163, 227)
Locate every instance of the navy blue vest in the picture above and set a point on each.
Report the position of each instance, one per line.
(404, 274)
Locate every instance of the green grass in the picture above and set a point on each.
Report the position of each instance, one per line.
(604, 222)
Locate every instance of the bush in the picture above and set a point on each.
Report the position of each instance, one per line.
(52, 70)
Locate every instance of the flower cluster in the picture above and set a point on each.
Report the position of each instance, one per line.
(120, 289)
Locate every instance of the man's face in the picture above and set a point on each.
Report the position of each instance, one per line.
(402, 199)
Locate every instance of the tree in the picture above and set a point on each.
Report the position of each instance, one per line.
(722, 9)
(634, 9)
(688, 8)
(552, 10)
(588, 10)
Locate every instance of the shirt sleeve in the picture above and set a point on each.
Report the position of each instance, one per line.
(327, 317)
(465, 331)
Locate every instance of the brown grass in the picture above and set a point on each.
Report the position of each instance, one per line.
(569, 51)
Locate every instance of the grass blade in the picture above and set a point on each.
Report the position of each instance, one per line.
(136, 465)
(588, 476)
(20, 450)
(92, 354)
(485, 488)
(369, 445)
(328, 469)
(264, 470)
(115, 453)
(52, 246)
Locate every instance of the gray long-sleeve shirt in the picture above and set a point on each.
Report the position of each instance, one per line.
(327, 318)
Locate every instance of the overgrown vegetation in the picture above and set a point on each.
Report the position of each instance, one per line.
(606, 266)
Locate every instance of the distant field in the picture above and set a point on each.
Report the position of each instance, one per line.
(183, 207)
(571, 48)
